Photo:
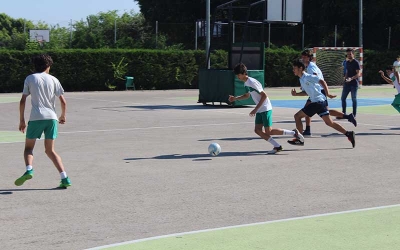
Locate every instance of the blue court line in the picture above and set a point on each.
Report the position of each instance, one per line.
(333, 103)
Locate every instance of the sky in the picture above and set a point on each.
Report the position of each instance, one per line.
(62, 11)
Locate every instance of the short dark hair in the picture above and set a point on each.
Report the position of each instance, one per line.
(299, 63)
(350, 50)
(240, 68)
(42, 62)
(307, 52)
(389, 67)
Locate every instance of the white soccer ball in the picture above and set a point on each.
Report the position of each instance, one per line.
(214, 149)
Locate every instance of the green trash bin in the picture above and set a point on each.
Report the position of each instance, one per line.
(129, 82)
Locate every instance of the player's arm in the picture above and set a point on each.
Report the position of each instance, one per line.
(262, 99)
(238, 98)
(325, 86)
(22, 124)
(387, 79)
(62, 118)
(301, 93)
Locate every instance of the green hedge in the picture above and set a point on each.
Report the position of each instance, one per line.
(90, 70)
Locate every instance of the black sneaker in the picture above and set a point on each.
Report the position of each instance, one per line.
(275, 150)
(352, 119)
(306, 133)
(351, 136)
(296, 142)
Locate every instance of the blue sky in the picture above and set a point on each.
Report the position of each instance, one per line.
(62, 11)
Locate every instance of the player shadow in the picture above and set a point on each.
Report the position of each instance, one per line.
(166, 107)
(386, 129)
(207, 157)
(11, 191)
(357, 134)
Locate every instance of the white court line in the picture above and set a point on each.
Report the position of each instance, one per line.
(243, 225)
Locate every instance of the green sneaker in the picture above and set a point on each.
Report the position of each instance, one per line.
(65, 183)
(26, 176)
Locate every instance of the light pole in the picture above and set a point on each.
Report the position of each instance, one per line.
(208, 32)
(360, 24)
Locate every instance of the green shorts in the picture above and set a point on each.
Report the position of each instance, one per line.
(264, 118)
(36, 128)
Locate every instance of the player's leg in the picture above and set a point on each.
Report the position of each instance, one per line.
(345, 93)
(328, 121)
(396, 103)
(51, 132)
(307, 131)
(33, 132)
(299, 138)
(354, 90)
(351, 118)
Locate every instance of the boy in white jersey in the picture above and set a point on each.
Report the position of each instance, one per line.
(43, 89)
(310, 84)
(312, 68)
(262, 111)
(394, 81)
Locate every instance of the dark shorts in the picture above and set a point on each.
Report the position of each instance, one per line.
(326, 101)
(313, 108)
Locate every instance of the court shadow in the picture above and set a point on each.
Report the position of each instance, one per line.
(10, 191)
(385, 129)
(357, 134)
(197, 157)
(166, 107)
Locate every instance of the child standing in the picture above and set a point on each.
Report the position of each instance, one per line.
(43, 89)
(263, 110)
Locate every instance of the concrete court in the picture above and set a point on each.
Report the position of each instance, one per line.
(140, 168)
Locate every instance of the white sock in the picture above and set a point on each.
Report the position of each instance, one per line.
(63, 175)
(273, 142)
(29, 167)
(288, 132)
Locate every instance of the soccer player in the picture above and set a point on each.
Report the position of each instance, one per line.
(262, 110)
(43, 89)
(310, 84)
(392, 79)
(351, 82)
(312, 68)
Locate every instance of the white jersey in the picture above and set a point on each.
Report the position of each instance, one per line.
(254, 87)
(395, 82)
(43, 89)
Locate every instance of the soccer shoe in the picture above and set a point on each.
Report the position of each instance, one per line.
(275, 150)
(351, 136)
(296, 142)
(298, 136)
(26, 176)
(352, 119)
(65, 183)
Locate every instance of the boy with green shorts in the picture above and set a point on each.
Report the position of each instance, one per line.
(262, 111)
(392, 79)
(43, 89)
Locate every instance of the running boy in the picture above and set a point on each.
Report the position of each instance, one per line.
(312, 69)
(310, 84)
(392, 79)
(43, 89)
(262, 111)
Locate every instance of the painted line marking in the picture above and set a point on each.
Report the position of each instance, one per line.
(243, 225)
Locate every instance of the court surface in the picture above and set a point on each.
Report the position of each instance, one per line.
(143, 179)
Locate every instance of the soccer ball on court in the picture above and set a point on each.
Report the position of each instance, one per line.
(214, 149)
